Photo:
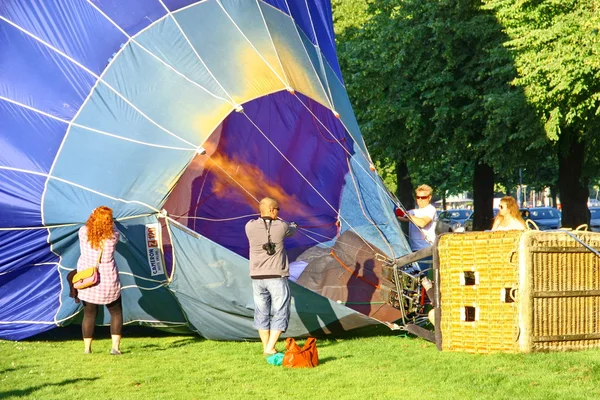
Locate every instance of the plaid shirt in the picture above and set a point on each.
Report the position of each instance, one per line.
(109, 287)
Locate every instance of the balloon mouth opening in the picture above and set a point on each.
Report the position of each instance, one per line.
(285, 146)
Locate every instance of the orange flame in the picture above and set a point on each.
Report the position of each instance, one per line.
(235, 174)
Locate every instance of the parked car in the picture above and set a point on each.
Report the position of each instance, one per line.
(468, 224)
(595, 219)
(545, 218)
(452, 221)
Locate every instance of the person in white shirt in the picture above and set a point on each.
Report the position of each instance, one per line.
(508, 218)
(421, 231)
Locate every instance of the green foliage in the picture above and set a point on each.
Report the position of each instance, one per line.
(557, 54)
(431, 84)
(558, 49)
(379, 367)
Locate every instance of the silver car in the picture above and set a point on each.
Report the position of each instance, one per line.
(452, 221)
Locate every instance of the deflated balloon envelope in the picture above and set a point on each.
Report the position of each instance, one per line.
(180, 116)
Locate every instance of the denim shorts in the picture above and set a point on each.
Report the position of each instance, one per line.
(271, 303)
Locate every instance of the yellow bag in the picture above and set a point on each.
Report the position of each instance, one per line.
(86, 278)
(89, 276)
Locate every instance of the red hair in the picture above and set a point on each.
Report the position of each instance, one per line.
(100, 226)
(513, 209)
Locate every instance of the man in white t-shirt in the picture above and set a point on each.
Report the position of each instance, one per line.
(421, 230)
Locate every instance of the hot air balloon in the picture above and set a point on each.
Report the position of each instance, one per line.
(180, 115)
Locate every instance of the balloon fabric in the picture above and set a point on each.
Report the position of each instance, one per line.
(181, 115)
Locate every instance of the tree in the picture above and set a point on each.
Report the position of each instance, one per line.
(557, 54)
(430, 82)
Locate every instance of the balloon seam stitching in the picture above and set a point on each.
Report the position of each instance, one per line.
(318, 49)
(306, 180)
(170, 14)
(360, 203)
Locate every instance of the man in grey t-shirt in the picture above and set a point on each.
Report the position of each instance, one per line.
(269, 270)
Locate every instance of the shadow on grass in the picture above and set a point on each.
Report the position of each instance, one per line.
(73, 332)
(325, 360)
(12, 369)
(360, 333)
(29, 391)
(172, 345)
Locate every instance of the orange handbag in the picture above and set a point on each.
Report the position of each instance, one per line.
(305, 357)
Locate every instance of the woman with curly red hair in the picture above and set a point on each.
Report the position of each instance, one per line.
(99, 234)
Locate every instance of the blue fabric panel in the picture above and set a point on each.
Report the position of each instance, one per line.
(20, 199)
(215, 291)
(286, 38)
(307, 145)
(365, 203)
(107, 112)
(26, 297)
(281, 5)
(81, 203)
(316, 62)
(134, 172)
(74, 27)
(213, 287)
(166, 41)
(301, 16)
(34, 75)
(20, 250)
(248, 17)
(174, 5)
(143, 299)
(19, 331)
(344, 108)
(239, 69)
(132, 15)
(65, 243)
(161, 94)
(28, 140)
(322, 20)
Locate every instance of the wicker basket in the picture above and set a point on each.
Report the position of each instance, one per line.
(519, 291)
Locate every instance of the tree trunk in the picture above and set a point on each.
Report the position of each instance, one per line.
(404, 191)
(483, 196)
(405, 188)
(572, 185)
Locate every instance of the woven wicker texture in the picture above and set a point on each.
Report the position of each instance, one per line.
(564, 280)
(519, 291)
(491, 258)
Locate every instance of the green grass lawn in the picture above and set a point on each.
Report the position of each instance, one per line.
(156, 365)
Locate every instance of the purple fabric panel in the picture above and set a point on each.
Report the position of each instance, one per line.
(73, 27)
(19, 250)
(30, 295)
(308, 146)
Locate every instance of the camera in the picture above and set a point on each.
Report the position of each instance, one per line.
(269, 248)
